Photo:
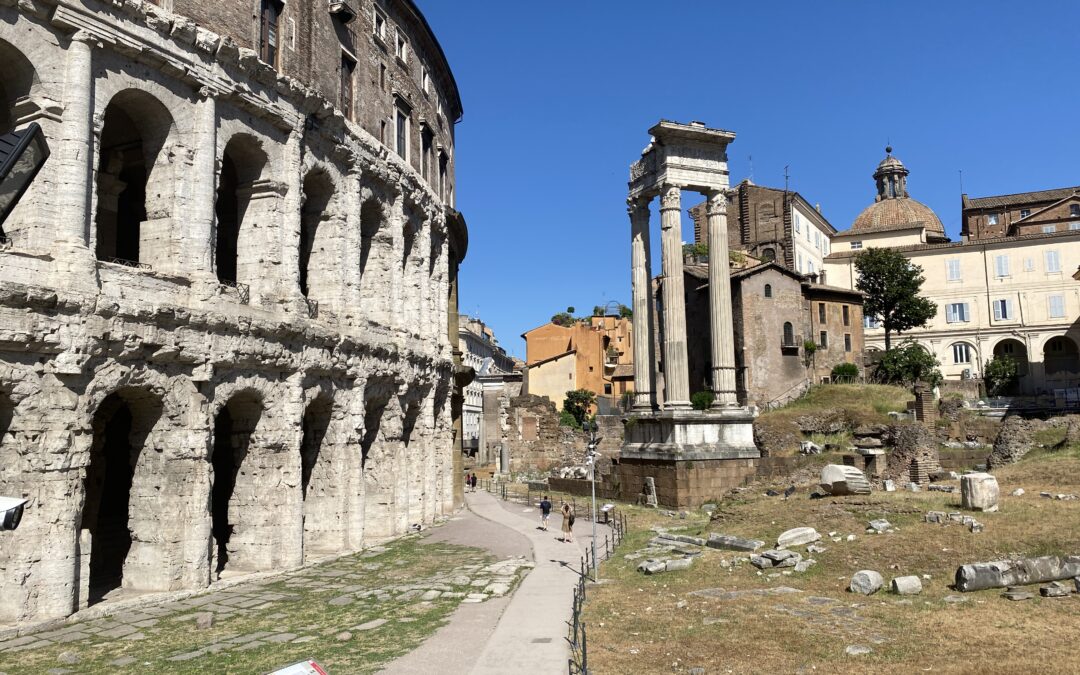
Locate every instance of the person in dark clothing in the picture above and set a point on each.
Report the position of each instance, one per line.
(545, 512)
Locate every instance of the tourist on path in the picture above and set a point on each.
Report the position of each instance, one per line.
(545, 512)
(567, 523)
(474, 482)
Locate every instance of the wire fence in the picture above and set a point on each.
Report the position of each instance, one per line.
(578, 663)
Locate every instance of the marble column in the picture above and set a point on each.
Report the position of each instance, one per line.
(676, 377)
(721, 334)
(292, 203)
(204, 189)
(640, 265)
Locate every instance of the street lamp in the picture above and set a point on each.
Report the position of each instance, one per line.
(591, 456)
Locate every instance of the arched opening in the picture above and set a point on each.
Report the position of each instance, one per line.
(963, 353)
(132, 209)
(1060, 357)
(789, 334)
(17, 78)
(768, 254)
(317, 485)
(315, 262)
(7, 415)
(768, 290)
(413, 467)
(234, 498)
(1015, 350)
(235, 251)
(121, 512)
(375, 258)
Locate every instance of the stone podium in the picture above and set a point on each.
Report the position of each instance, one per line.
(693, 455)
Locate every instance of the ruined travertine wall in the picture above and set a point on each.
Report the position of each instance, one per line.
(225, 312)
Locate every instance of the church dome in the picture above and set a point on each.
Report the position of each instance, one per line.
(893, 209)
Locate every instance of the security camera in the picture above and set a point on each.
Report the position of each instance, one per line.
(11, 510)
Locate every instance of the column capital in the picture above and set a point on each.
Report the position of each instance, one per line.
(671, 198)
(636, 206)
(716, 204)
(85, 37)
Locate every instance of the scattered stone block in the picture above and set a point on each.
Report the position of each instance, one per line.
(935, 517)
(370, 625)
(797, 537)
(68, 658)
(934, 487)
(1016, 593)
(761, 562)
(678, 564)
(913, 487)
(890, 486)
(343, 636)
(840, 479)
(804, 565)
(866, 582)
(652, 566)
(204, 620)
(857, 650)
(727, 542)
(682, 539)
(1018, 492)
(1054, 590)
(879, 525)
(814, 548)
(979, 492)
(908, 585)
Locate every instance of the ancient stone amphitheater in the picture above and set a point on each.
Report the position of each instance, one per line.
(226, 301)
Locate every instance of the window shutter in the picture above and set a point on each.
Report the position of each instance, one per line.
(964, 311)
(1053, 262)
(997, 310)
(950, 313)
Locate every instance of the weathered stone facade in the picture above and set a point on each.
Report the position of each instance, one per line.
(226, 308)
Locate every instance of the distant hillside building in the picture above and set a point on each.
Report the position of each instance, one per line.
(772, 224)
(595, 354)
(1004, 290)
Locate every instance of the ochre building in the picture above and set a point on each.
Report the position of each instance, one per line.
(227, 303)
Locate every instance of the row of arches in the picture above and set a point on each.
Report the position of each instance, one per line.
(141, 197)
(259, 484)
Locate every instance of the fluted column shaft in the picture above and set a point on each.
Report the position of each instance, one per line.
(676, 377)
(205, 183)
(76, 143)
(721, 334)
(640, 265)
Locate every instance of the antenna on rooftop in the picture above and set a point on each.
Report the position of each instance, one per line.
(786, 177)
(751, 158)
(961, 181)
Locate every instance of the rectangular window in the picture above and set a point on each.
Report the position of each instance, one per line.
(1049, 229)
(952, 269)
(810, 266)
(269, 14)
(1074, 226)
(991, 219)
(1053, 261)
(817, 239)
(847, 342)
(1024, 213)
(871, 322)
(1056, 306)
(821, 312)
(607, 389)
(798, 225)
(401, 48)
(425, 80)
(1001, 266)
(382, 131)
(1003, 309)
(961, 352)
(401, 145)
(846, 313)
(379, 25)
(347, 68)
(823, 340)
(1074, 209)
(957, 312)
(1029, 264)
(425, 154)
(856, 245)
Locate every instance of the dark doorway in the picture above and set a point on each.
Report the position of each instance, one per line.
(317, 193)
(121, 187)
(227, 210)
(316, 422)
(232, 495)
(224, 481)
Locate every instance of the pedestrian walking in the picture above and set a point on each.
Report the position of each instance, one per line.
(474, 482)
(545, 512)
(567, 523)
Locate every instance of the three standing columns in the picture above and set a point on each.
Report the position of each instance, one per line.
(676, 372)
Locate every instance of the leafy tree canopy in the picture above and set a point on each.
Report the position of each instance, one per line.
(892, 284)
(579, 404)
(907, 364)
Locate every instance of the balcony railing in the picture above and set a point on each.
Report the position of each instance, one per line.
(243, 291)
(126, 263)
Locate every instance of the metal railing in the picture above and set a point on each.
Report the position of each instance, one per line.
(312, 308)
(125, 262)
(578, 663)
(243, 291)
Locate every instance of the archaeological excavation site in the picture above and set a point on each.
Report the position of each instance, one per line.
(227, 300)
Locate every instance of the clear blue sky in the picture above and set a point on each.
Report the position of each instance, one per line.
(558, 98)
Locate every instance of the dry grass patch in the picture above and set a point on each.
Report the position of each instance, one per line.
(653, 624)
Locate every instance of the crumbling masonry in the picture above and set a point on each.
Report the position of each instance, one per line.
(226, 302)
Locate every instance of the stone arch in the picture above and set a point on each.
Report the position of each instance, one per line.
(318, 270)
(1061, 358)
(235, 500)
(963, 353)
(789, 334)
(241, 209)
(121, 540)
(376, 252)
(416, 455)
(134, 185)
(18, 80)
(1015, 350)
(378, 456)
(321, 478)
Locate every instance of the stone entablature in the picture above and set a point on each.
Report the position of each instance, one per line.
(220, 279)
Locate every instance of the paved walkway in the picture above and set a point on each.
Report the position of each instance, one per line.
(523, 634)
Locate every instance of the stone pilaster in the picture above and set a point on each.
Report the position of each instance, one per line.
(721, 334)
(199, 245)
(676, 376)
(291, 207)
(640, 262)
(394, 311)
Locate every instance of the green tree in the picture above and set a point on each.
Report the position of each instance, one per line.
(844, 372)
(1000, 375)
(702, 400)
(579, 404)
(625, 312)
(809, 348)
(907, 364)
(598, 310)
(563, 319)
(892, 284)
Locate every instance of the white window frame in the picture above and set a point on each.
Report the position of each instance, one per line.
(1024, 213)
(871, 322)
(425, 79)
(957, 312)
(399, 113)
(1003, 309)
(401, 47)
(1074, 226)
(1029, 264)
(798, 225)
(856, 245)
(961, 353)
(378, 24)
(1055, 306)
(991, 219)
(1049, 229)
(1001, 266)
(1052, 259)
(952, 269)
